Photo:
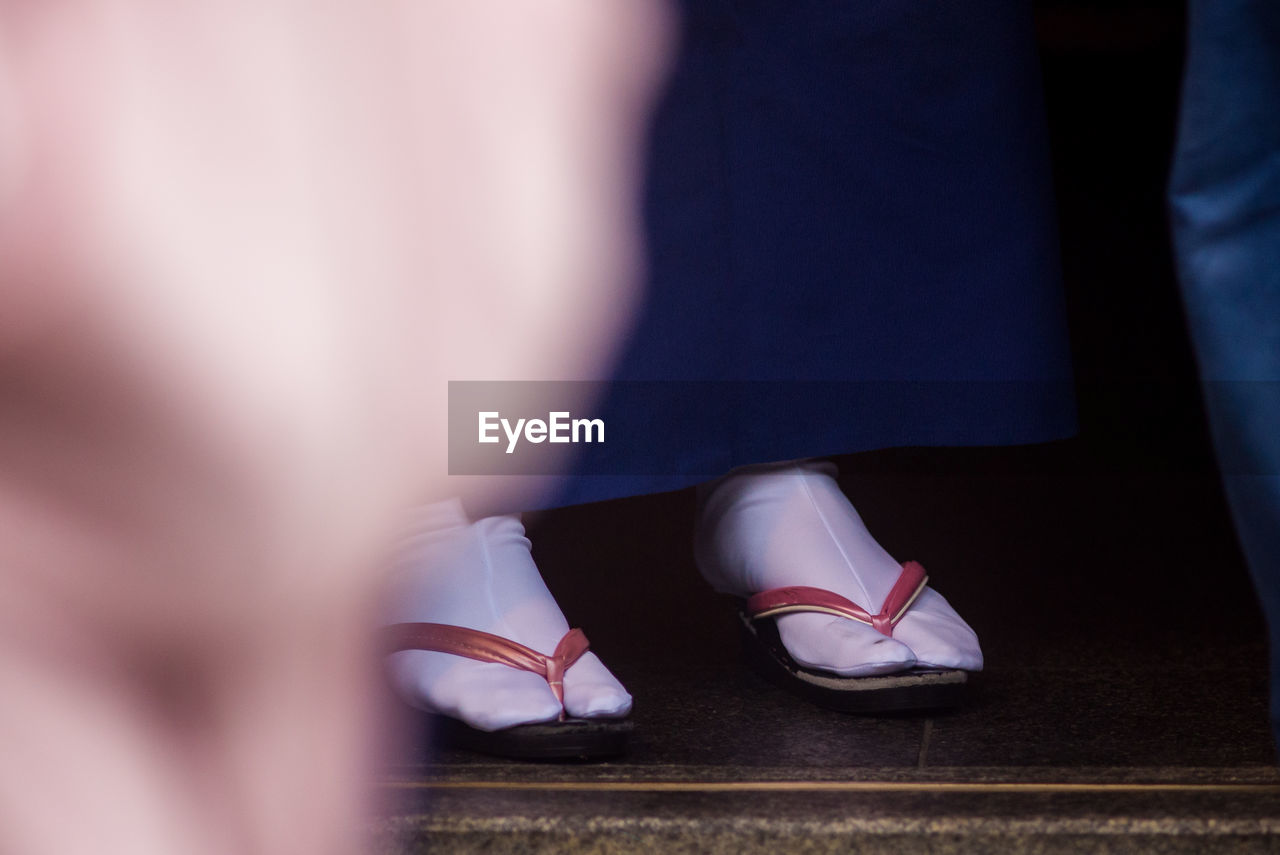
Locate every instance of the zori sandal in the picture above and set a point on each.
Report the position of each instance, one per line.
(914, 689)
(566, 738)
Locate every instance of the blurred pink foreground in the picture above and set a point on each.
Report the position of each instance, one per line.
(244, 244)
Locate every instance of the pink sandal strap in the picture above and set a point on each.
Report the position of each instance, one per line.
(487, 647)
(800, 598)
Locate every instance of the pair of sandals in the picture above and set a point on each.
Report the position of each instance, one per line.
(916, 689)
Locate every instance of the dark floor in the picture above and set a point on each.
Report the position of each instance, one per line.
(1123, 706)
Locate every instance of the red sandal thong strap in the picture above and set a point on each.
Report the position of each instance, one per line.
(799, 598)
(487, 647)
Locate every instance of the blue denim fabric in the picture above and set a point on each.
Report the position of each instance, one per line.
(1225, 205)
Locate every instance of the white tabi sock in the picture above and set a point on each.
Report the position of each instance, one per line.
(481, 575)
(783, 524)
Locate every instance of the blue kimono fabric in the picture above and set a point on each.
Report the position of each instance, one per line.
(851, 245)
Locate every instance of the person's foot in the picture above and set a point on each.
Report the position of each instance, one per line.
(783, 524)
(481, 575)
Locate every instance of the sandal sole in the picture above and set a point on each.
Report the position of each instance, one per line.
(916, 690)
(570, 739)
